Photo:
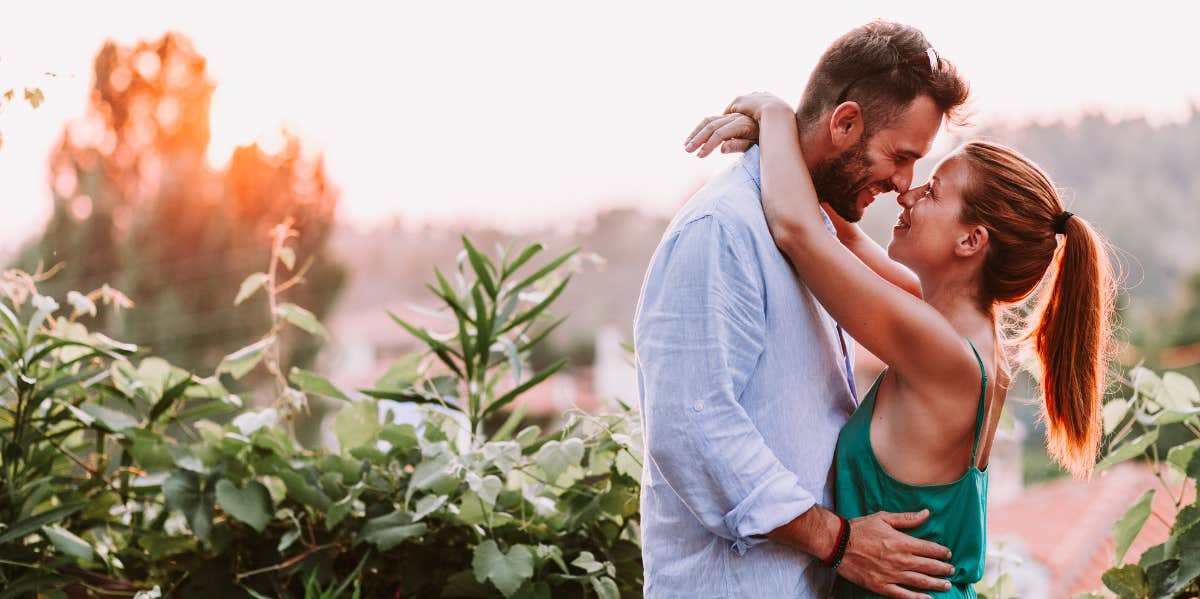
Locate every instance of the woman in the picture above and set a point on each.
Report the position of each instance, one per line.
(979, 237)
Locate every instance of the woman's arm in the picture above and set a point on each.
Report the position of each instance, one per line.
(736, 133)
(872, 254)
(905, 332)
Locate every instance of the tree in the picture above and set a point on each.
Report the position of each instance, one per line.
(137, 205)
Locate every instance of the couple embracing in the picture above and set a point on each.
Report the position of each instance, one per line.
(766, 475)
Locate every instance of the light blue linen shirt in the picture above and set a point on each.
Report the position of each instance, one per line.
(743, 389)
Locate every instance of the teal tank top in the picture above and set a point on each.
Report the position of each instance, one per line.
(958, 510)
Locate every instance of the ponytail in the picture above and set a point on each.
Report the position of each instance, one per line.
(1070, 329)
(1071, 333)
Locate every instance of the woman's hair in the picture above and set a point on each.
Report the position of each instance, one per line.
(1070, 327)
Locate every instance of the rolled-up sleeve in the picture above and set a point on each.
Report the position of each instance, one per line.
(699, 336)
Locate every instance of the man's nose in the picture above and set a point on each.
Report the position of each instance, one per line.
(902, 179)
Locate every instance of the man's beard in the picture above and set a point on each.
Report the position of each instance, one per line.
(839, 180)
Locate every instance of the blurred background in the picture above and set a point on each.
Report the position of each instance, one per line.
(151, 147)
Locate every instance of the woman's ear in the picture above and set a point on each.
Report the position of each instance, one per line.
(973, 242)
(846, 125)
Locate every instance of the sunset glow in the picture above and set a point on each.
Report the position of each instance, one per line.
(533, 113)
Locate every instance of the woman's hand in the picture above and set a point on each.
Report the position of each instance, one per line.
(733, 132)
(755, 104)
(737, 129)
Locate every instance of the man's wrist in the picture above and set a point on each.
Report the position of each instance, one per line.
(814, 532)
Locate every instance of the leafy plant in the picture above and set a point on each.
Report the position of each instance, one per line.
(141, 489)
(1171, 568)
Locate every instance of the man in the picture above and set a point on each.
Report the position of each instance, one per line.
(743, 377)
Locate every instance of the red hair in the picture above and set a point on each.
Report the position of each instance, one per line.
(1070, 328)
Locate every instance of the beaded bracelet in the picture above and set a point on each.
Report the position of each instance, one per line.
(843, 541)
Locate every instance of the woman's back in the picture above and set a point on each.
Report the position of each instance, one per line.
(958, 509)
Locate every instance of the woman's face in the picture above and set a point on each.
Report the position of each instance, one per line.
(929, 226)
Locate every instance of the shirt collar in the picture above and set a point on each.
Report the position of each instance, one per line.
(751, 162)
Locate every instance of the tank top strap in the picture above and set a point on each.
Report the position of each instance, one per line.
(979, 411)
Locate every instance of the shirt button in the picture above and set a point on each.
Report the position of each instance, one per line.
(698, 406)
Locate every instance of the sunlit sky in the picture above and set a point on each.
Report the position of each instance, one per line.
(513, 112)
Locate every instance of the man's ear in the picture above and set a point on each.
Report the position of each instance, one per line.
(973, 242)
(846, 125)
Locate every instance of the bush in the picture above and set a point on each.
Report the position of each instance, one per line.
(1172, 568)
(118, 477)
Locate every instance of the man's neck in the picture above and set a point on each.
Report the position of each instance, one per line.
(813, 146)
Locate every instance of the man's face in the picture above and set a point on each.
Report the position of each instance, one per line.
(884, 162)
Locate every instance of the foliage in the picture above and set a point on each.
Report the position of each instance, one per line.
(116, 478)
(137, 205)
(1172, 568)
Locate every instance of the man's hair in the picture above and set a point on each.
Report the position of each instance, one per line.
(883, 66)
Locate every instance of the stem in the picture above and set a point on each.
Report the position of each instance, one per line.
(284, 564)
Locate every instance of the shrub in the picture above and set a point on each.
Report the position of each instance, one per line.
(120, 476)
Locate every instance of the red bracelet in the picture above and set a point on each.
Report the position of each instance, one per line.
(839, 550)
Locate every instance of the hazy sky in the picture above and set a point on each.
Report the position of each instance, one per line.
(514, 112)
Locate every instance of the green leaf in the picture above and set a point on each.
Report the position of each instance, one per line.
(288, 257)
(169, 395)
(311, 382)
(480, 265)
(341, 508)
(527, 385)
(504, 455)
(1188, 547)
(150, 450)
(537, 310)
(400, 436)
(1128, 450)
(403, 372)
(526, 254)
(385, 532)
(587, 562)
(1127, 581)
(545, 270)
(1114, 412)
(22, 528)
(429, 473)
(69, 544)
(1163, 578)
(301, 318)
(486, 487)
(357, 424)
(555, 457)
(288, 539)
(506, 570)
(250, 504)
(1128, 527)
(114, 420)
(1180, 455)
(606, 588)
(528, 435)
(303, 490)
(1186, 518)
(1181, 390)
(252, 284)
(244, 360)
(184, 491)
(427, 505)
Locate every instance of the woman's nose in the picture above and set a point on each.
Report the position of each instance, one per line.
(907, 198)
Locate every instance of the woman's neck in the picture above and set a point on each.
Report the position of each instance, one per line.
(955, 296)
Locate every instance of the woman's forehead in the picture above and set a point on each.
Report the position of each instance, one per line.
(951, 170)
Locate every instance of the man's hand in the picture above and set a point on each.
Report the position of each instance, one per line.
(880, 558)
